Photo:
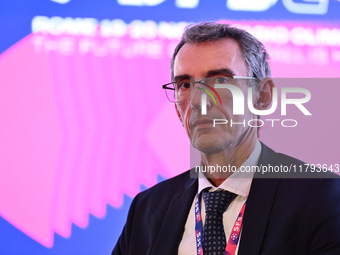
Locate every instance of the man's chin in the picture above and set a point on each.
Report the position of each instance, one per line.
(206, 144)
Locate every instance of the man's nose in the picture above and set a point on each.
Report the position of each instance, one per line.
(197, 101)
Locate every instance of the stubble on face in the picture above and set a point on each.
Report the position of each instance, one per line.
(196, 61)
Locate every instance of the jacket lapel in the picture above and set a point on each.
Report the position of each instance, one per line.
(172, 229)
(258, 209)
(257, 213)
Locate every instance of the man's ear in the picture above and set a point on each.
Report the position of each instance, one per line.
(265, 94)
(179, 115)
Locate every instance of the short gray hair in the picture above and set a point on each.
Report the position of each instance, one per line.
(253, 50)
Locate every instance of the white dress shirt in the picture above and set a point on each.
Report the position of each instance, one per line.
(238, 183)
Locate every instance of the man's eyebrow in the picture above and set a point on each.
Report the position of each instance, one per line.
(210, 73)
(222, 71)
(182, 77)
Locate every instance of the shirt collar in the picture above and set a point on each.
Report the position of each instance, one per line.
(239, 182)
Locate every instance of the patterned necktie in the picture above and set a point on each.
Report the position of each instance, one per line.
(213, 237)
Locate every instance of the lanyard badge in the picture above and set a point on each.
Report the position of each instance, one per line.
(234, 235)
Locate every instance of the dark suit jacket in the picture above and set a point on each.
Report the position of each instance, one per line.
(282, 216)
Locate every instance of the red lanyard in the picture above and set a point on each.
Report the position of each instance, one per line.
(234, 235)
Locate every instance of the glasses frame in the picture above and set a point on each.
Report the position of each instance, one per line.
(234, 77)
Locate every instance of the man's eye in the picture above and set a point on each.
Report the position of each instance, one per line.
(183, 85)
(222, 80)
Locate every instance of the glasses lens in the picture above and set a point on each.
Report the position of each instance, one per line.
(170, 92)
(178, 91)
(182, 89)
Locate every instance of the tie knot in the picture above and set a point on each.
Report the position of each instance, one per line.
(217, 201)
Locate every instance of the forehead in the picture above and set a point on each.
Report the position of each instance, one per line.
(196, 60)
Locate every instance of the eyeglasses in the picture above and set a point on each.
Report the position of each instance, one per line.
(181, 91)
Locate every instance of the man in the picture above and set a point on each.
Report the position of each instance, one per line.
(256, 215)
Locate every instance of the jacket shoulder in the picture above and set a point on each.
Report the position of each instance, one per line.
(168, 187)
(280, 165)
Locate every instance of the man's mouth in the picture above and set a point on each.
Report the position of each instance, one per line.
(201, 122)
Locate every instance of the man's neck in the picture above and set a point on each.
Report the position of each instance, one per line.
(229, 159)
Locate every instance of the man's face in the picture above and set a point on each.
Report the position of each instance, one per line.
(202, 60)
